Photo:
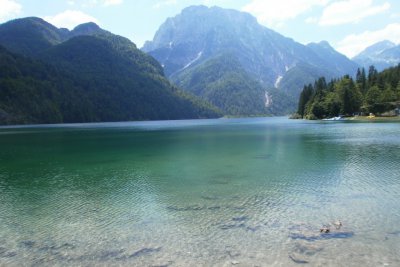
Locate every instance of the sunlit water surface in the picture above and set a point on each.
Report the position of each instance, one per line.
(243, 192)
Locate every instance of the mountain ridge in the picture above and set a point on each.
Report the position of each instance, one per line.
(382, 55)
(200, 33)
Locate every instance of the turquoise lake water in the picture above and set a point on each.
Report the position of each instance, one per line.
(242, 192)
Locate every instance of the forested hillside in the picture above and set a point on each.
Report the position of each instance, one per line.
(370, 92)
(84, 78)
(224, 83)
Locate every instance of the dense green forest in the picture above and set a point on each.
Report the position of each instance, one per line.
(32, 91)
(369, 92)
(85, 78)
(224, 83)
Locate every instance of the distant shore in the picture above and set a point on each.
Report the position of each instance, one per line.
(367, 118)
(360, 118)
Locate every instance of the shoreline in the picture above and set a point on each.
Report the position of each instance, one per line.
(369, 119)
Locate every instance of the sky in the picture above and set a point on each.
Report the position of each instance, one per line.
(348, 25)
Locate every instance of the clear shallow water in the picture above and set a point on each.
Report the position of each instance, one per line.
(244, 192)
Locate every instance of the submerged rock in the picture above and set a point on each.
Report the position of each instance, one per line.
(232, 254)
(4, 253)
(253, 228)
(232, 226)
(396, 233)
(307, 248)
(296, 259)
(321, 236)
(240, 219)
(187, 208)
(303, 252)
(28, 243)
(144, 251)
(55, 247)
(193, 208)
(111, 254)
(307, 240)
(308, 233)
(338, 224)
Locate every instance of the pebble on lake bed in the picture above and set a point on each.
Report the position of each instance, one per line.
(325, 230)
(338, 224)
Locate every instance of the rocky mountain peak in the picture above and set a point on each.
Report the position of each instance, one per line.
(382, 55)
(376, 48)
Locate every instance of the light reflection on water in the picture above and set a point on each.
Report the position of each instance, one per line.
(249, 192)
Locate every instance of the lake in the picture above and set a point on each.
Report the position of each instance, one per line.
(243, 192)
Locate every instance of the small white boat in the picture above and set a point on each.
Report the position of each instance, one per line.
(339, 118)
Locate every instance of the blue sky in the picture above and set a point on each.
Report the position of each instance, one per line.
(348, 25)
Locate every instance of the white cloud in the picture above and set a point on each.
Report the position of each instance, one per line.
(9, 9)
(112, 2)
(311, 20)
(353, 44)
(350, 11)
(272, 12)
(70, 18)
(395, 16)
(93, 3)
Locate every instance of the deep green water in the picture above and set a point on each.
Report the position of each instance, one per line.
(249, 192)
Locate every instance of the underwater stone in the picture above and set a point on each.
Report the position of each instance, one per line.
(7, 254)
(240, 219)
(253, 229)
(28, 243)
(105, 255)
(231, 226)
(144, 251)
(295, 259)
(188, 208)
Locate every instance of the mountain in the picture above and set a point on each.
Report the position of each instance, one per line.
(334, 65)
(337, 62)
(29, 36)
(199, 34)
(223, 82)
(88, 28)
(382, 55)
(85, 75)
(376, 49)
